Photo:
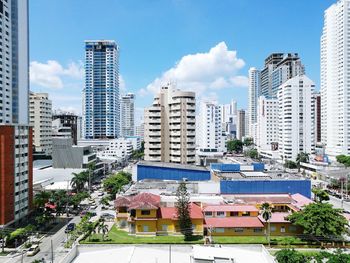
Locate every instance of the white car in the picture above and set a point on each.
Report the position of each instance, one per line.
(33, 250)
(2, 243)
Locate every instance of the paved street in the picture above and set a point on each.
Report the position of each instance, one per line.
(337, 203)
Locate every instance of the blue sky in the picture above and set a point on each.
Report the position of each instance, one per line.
(204, 45)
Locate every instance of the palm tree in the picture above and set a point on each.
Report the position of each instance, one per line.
(266, 213)
(41, 198)
(102, 227)
(302, 157)
(78, 181)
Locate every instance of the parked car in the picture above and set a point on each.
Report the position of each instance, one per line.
(107, 216)
(33, 250)
(93, 206)
(101, 194)
(70, 227)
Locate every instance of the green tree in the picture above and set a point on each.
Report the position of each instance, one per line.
(79, 180)
(102, 228)
(105, 201)
(266, 213)
(344, 159)
(252, 153)
(183, 210)
(248, 141)
(235, 146)
(40, 199)
(320, 219)
(290, 164)
(4, 235)
(338, 257)
(302, 157)
(115, 183)
(77, 198)
(320, 195)
(289, 256)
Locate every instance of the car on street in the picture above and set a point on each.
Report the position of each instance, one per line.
(93, 207)
(107, 216)
(101, 194)
(70, 227)
(33, 250)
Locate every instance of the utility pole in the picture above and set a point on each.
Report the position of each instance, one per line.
(169, 253)
(51, 252)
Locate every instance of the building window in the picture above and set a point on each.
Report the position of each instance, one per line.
(208, 214)
(233, 213)
(145, 212)
(257, 230)
(219, 230)
(164, 227)
(246, 214)
(220, 214)
(283, 229)
(273, 228)
(145, 228)
(238, 229)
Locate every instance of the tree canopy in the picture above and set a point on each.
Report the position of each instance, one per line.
(320, 195)
(344, 159)
(183, 210)
(252, 153)
(248, 141)
(290, 164)
(289, 256)
(320, 219)
(115, 183)
(235, 146)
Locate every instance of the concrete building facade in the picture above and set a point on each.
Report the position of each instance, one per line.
(127, 105)
(16, 178)
(40, 115)
(253, 94)
(170, 125)
(209, 133)
(335, 80)
(241, 124)
(65, 125)
(296, 117)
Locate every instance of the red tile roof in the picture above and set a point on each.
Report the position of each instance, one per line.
(122, 201)
(142, 200)
(147, 197)
(242, 221)
(277, 217)
(231, 208)
(171, 213)
(300, 200)
(142, 205)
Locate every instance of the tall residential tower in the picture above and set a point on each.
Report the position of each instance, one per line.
(101, 107)
(335, 79)
(170, 127)
(16, 163)
(253, 94)
(127, 104)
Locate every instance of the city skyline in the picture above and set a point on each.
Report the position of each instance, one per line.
(205, 38)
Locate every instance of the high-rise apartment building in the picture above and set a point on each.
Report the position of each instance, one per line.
(170, 127)
(335, 79)
(40, 115)
(228, 118)
(140, 130)
(279, 67)
(209, 132)
(101, 103)
(127, 104)
(253, 94)
(16, 170)
(296, 117)
(241, 124)
(317, 102)
(267, 123)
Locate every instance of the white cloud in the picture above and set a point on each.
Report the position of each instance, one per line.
(216, 69)
(52, 74)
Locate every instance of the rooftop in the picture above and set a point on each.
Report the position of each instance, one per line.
(277, 218)
(171, 212)
(173, 165)
(230, 208)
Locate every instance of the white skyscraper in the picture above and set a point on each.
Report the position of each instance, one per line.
(40, 115)
(267, 123)
(127, 105)
(241, 124)
(253, 90)
(296, 117)
(101, 107)
(209, 132)
(335, 79)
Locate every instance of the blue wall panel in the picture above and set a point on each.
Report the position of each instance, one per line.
(167, 173)
(266, 187)
(226, 167)
(259, 167)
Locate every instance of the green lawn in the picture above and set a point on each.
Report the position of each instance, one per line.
(116, 236)
(4, 254)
